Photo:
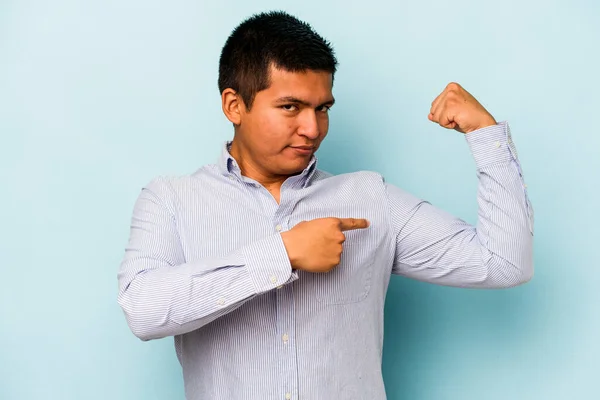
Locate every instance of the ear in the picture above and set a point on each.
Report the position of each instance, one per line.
(232, 106)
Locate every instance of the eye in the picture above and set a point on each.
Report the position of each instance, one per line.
(324, 109)
(289, 107)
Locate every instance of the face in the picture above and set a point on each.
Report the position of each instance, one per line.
(286, 124)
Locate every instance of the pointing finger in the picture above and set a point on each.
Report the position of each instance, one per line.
(347, 224)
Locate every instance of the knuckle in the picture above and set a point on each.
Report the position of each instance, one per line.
(452, 99)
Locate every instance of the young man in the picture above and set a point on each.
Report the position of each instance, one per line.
(270, 273)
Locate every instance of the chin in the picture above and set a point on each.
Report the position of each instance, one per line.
(294, 168)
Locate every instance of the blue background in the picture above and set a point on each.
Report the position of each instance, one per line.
(98, 97)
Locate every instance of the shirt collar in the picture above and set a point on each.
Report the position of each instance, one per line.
(229, 166)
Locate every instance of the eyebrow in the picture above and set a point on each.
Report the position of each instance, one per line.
(292, 99)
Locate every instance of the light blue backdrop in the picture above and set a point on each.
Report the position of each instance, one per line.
(98, 97)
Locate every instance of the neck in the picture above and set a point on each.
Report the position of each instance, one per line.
(250, 169)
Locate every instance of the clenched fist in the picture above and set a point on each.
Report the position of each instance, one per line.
(455, 108)
(316, 245)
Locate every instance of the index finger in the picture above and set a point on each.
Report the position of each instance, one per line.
(347, 224)
(435, 104)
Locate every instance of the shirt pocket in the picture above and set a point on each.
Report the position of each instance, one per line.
(350, 281)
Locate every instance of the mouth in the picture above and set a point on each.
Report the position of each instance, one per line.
(303, 150)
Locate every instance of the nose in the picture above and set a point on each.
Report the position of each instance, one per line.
(308, 125)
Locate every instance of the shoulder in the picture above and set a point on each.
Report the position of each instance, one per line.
(169, 187)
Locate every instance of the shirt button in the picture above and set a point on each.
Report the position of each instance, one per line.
(273, 279)
(497, 144)
(288, 396)
(278, 227)
(285, 338)
(231, 177)
(221, 301)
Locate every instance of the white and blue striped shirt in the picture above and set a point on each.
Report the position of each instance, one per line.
(206, 264)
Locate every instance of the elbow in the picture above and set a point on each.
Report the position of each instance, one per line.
(139, 330)
(144, 336)
(139, 322)
(522, 276)
(526, 274)
(143, 329)
(524, 271)
(509, 275)
(507, 269)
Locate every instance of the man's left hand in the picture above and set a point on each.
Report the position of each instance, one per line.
(457, 109)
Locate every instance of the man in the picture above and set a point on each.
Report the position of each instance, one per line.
(270, 273)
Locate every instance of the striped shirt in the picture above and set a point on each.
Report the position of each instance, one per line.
(206, 264)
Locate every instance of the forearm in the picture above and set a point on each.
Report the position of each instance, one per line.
(172, 300)
(505, 216)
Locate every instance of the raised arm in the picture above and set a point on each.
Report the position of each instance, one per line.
(434, 246)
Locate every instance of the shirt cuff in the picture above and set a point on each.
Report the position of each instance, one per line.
(268, 263)
(492, 145)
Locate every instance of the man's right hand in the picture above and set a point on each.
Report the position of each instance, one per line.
(316, 245)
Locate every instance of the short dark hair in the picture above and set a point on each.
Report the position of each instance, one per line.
(270, 38)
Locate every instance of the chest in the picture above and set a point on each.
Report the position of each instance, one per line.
(217, 221)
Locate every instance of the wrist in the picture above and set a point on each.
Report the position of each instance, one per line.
(289, 248)
(489, 121)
